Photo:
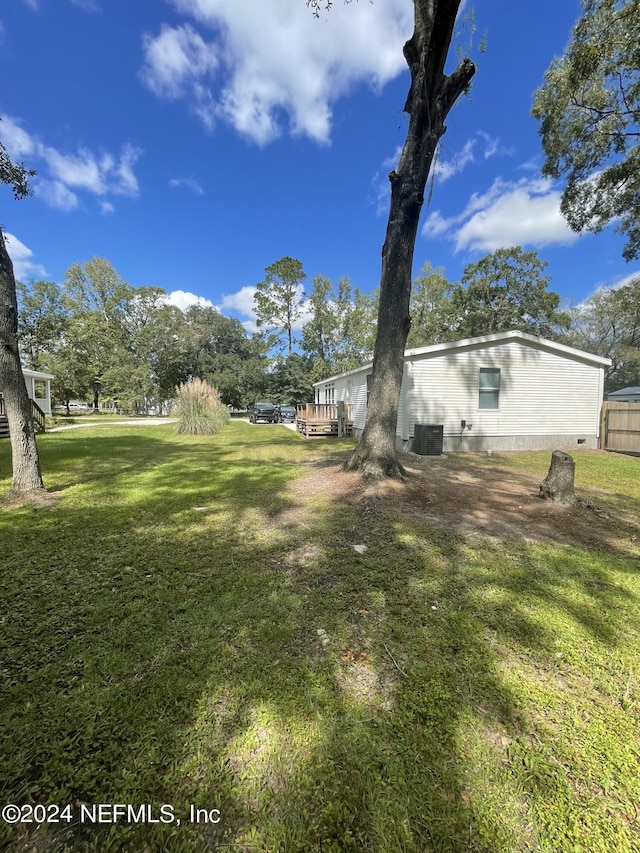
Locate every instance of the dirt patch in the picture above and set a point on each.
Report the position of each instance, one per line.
(482, 498)
(37, 500)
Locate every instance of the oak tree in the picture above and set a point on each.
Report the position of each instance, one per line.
(589, 114)
(432, 316)
(507, 290)
(608, 324)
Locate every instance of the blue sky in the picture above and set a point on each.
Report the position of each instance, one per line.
(194, 142)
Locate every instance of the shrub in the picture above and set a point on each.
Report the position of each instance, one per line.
(199, 409)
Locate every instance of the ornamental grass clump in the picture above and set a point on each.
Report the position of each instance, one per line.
(199, 409)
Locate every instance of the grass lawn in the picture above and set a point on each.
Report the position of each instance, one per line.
(189, 625)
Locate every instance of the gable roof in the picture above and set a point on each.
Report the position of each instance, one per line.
(487, 340)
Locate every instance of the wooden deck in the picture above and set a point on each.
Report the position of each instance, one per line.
(324, 419)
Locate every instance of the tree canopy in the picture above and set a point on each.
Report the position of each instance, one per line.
(98, 335)
(608, 324)
(432, 320)
(589, 114)
(506, 290)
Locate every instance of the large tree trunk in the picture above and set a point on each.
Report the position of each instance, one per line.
(431, 96)
(24, 452)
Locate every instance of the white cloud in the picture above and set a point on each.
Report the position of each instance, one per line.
(180, 64)
(126, 182)
(492, 146)
(624, 281)
(446, 164)
(241, 301)
(446, 167)
(32, 4)
(380, 182)
(16, 140)
(520, 213)
(189, 183)
(97, 173)
(436, 225)
(449, 164)
(264, 60)
(183, 299)
(56, 194)
(612, 284)
(106, 208)
(81, 170)
(23, 266)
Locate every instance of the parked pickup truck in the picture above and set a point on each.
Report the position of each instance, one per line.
(263, 412)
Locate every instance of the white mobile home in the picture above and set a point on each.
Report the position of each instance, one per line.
(507, 391)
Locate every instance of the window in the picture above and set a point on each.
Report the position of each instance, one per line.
(489, 388)
(369, 385)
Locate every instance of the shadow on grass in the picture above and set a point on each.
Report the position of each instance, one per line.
(234, 658)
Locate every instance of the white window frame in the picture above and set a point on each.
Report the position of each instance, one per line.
(488, 392)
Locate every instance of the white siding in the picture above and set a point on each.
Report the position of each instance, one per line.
(359, 400)
(541, 392)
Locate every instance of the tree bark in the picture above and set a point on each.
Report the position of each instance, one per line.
(559, 482)
(431, 95)
(24, 451)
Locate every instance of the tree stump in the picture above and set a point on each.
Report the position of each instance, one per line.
(559, 482)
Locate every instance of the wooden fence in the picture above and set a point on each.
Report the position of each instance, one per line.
(620, 427)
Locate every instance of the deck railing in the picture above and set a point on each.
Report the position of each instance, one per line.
(321, 411)
(39, 416)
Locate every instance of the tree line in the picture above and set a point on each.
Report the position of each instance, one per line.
(104, 339)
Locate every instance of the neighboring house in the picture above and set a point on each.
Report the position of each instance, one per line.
(507, 391)
(38, 388)
(625, 395)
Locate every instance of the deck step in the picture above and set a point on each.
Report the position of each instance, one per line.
(4, 427)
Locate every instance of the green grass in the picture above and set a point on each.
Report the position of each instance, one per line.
(178, 629)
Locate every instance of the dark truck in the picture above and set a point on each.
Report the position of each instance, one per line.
(263, 412)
